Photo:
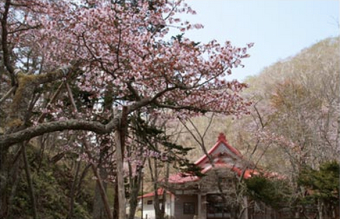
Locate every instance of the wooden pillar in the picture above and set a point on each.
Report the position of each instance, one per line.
(172, 205)
(204, 207)
(245, 200)
(199, 206)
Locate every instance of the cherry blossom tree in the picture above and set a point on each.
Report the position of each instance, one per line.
(121, 51)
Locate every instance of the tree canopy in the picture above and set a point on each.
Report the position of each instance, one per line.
(83, 69)
(101, 46)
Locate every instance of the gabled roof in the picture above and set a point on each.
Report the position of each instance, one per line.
(223, 156)
(221, 142)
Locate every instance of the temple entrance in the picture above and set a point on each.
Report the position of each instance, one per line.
(216, 208)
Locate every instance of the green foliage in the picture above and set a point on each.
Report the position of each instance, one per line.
(323, 183)
(273, 192)
(178, 148)
(52, 184)
(150, 134)
(187, 167)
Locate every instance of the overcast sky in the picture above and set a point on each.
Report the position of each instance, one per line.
(279, 28)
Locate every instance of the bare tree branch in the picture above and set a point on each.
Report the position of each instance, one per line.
(7, 94)
(7, 140)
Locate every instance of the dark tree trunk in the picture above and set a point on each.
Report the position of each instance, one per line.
(116, 202)
(133, 201)
(9, 179)
(98, 205)
(29, 181)
(73, 190)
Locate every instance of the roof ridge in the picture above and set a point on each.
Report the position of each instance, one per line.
(221, 139)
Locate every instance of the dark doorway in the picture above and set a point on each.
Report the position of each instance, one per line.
(216, 208)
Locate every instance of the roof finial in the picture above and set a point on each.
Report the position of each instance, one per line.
(221, 137)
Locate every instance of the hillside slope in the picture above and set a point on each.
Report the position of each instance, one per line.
(294, 117)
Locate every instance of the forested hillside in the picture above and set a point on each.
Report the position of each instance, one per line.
(296, 109)
(295, 112)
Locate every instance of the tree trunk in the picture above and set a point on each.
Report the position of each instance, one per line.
(73, 190)
(120, 143)
(29, 181)
(120, 176)
(101, 187)
(9, 178)
(116, 201)
(99, 205)
(133, 195)
(100, 184)
(102, 192)
(159, 210)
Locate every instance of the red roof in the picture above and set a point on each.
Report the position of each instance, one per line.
(182, 178)
(160, 191)
(219, 163)
(247, 173)
(223, 140)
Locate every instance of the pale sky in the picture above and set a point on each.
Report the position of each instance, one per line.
(279, 28)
